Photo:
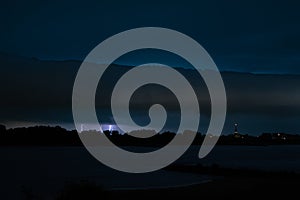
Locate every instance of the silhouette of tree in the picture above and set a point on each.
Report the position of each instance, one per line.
(2, 129)
(58, 136)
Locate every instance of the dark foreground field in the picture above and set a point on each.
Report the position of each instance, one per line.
(228, 184)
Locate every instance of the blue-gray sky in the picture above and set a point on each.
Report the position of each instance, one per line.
(251, 35)
(241, 36)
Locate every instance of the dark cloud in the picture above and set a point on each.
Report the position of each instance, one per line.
(42, 94)
(241, 36)
(252, 36)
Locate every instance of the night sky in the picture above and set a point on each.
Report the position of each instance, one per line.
(252, 36)
(246, 36)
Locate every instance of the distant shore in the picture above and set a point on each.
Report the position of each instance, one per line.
(57, 136)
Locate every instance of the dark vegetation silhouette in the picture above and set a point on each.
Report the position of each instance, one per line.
(82, 190)
(58, 136)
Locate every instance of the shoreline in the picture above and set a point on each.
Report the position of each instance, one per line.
(238, 184)
(161, 187)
